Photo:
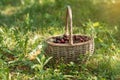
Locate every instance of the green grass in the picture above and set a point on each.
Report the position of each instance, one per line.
(25, 24)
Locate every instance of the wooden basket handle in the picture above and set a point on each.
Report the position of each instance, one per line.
(69, 17)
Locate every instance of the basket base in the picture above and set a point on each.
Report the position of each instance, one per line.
(82, 59)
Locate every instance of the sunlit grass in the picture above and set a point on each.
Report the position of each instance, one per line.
(10, 10)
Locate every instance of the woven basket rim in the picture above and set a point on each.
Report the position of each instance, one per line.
(67, 44)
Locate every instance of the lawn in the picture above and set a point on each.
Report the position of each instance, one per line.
(26, 24)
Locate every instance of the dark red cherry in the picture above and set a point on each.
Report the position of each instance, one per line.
(62, 41)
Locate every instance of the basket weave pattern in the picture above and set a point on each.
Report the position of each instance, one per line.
(69, 51)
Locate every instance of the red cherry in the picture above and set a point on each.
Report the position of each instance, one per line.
(66, 41)
(58, 41)
(81, 40)
(62, 41)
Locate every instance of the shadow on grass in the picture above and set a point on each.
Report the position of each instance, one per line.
(47, 14)
(39, 15)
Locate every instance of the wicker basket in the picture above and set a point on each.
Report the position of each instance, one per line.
(69, 51)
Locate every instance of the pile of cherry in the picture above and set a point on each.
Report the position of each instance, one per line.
(65, 39)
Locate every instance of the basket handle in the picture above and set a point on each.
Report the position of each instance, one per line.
(69, 16)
